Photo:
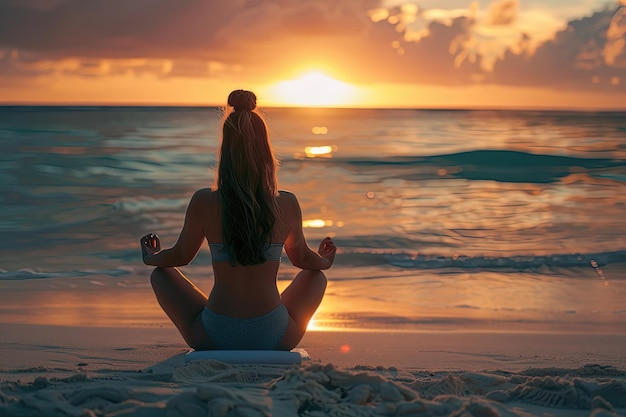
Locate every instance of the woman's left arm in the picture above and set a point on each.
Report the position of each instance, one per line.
(189, 241)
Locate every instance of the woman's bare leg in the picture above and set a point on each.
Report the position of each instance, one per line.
(183, 302)
(302, 297)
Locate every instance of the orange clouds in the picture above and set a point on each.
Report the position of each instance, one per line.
(503, 12)
(367, 42)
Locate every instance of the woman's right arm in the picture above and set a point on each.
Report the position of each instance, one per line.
(298, 251)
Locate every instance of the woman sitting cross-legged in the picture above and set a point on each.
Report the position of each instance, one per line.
(247, 222)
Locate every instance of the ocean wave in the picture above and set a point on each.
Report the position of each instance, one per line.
(527, 263)
(31, 273)
(535, 264)
(486, 164)
(143, 205)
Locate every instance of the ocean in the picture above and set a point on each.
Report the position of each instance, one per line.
(445, 220)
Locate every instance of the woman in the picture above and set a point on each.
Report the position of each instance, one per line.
(246, 222)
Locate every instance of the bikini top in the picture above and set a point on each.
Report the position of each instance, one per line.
(219, 252)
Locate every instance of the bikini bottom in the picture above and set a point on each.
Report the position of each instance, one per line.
(256, 333)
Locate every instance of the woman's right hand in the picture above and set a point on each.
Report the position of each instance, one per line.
(327, 250)
(150, 244)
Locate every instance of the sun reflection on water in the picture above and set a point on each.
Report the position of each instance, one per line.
(319, 151)
(317, 223)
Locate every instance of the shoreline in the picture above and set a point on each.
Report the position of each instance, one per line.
(489, 302)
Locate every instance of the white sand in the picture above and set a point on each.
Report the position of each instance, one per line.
(71, 371)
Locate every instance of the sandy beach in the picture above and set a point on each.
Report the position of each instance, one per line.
(114, 371)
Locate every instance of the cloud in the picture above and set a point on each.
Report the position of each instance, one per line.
(365, 41)
(487, 33)
(169, 29)
(391, 58)
(247, 39)
(583, 56)
(616, 39)
(499, 45)
(502, 12)
(251, 36)
(316, 20)
(40, 5)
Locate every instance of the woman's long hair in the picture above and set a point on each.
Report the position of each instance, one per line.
(246, 181)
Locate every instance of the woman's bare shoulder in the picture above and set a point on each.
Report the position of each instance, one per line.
(287, 199)
(205, 196)
(287, 195)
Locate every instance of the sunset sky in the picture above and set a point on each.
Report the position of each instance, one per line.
(353, 53)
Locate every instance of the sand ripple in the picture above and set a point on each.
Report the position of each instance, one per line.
(210, 388)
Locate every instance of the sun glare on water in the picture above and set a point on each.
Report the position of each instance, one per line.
(313, 89)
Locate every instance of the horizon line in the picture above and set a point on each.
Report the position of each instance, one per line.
(322, 107)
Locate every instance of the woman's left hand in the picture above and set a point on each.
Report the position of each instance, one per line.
(327, 250)
(150, 244)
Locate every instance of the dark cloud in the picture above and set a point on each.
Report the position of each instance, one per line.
(41, 5)
(190, 29)
(256, 34)
(431, 60)
(615, 45)
(114, 28)
(316, 19)
(574, 59)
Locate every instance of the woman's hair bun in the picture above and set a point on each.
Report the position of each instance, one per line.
(242, 100)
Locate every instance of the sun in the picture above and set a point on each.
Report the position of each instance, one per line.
(314, 89)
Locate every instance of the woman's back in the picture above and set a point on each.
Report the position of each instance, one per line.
(245, 291)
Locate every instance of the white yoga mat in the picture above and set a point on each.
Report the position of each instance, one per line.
(294, 356)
